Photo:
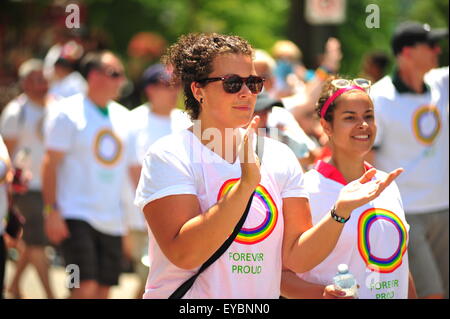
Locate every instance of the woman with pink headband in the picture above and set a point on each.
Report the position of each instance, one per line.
(374, 240)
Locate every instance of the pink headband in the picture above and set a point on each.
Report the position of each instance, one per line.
(336, 95)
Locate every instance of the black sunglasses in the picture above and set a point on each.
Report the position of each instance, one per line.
(233, 83)
(111, 73)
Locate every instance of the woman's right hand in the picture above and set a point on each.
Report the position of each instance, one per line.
(250, 164)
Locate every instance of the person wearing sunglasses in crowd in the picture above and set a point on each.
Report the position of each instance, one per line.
(151, 121)
(195, 186)
(412, 109)
(84, 168)
(374, 240)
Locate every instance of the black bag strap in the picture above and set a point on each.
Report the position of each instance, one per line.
(181, 291)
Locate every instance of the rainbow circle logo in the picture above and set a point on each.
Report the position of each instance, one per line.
(380, 264)
(107, 147)
(250, 236)
(426, 124)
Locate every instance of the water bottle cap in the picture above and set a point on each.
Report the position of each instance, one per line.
(342, 268)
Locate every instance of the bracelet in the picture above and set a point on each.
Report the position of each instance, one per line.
(338, 218)
(49, 208)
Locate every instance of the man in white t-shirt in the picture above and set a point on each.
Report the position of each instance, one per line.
(151, 121)
(85, 165)
(412, 112)
(22, 130)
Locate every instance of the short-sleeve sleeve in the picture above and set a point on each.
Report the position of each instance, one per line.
(9, 122)
(163, 174)
(59, 131)
(289, 174)
(4, 161)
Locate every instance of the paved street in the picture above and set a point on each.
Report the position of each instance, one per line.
(31, 287)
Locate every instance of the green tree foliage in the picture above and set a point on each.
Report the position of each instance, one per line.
(357, 39)
(260, 22)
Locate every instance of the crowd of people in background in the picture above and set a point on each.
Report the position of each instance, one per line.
(80, 153)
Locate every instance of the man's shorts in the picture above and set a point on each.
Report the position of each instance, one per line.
(428, 252)
(31, 206)
(98, 255)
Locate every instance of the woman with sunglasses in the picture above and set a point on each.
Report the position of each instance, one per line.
(374, 240)
(196, 184)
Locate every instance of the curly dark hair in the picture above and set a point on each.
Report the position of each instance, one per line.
(191, 58)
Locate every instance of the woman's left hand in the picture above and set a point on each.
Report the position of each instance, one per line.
(362, 191)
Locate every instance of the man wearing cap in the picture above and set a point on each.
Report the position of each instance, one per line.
(22, 128)
(412, 114)
(85, 165)
(280, 124)
(152, 120)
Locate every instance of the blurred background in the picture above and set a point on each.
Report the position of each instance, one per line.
(139, 30)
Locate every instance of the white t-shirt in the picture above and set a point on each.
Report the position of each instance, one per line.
(373, 242)
(413, 133)
(72, 84)
(290, 131)
(96, 161)
(4, 157)
(147, 128)
(251, 267)
(23, 120)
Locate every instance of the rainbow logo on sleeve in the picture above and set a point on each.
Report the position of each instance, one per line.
(250, 236)
(365, 222)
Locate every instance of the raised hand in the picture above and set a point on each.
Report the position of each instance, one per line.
(362, 191)
(250, 164)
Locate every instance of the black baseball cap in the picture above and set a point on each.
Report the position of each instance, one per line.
(155, 74)
(264, 102)
(409, 33)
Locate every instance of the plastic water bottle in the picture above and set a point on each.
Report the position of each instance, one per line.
(346, 282)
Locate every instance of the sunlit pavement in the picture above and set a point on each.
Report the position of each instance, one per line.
(31, 287)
